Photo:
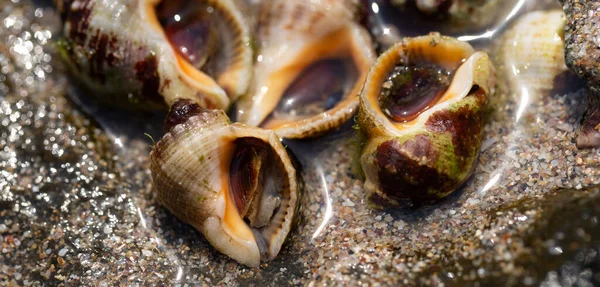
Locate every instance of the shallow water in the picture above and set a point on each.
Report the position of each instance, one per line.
(76, 202)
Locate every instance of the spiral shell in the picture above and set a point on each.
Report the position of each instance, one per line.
(312, 60)
(122, 52)
(434, 149)
(532, 53)
(234, 183)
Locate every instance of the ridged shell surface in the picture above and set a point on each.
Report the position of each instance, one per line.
(191, 171)
(531, 53)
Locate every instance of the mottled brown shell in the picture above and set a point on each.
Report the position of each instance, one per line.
(429, 157)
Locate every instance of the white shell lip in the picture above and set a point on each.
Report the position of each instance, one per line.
(219, 234)
(465, 77)
(180, 178)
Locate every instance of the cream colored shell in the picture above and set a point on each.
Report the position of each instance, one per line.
(292, 35)
(532, 52)
(190, 168)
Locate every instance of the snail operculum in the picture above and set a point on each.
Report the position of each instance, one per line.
(256, 179)
(422, 114)
(234, 183)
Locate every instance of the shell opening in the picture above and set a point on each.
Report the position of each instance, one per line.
(259, 188)
(411, 90)
(315, 69)
(193, 31)
(189, 29)
(317, 89)
(458, 66)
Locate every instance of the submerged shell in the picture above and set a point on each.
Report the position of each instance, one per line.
(532, 53)
(470, 20)
(312, 60)
(434, 151)
(234, 183)
(122, 53)
(461, 14)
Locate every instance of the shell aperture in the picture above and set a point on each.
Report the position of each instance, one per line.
(412, 90)
(315, 90)
(210, 38)
(294, 39)
(256, 178)
(189, 29)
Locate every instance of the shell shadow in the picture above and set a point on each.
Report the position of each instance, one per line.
(179, 234)
(118, 122)
(414, 211)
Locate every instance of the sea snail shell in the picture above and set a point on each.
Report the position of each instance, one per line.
(235, 184)
(313, 57)
(145, 53)
(532, 53)
(422, 119)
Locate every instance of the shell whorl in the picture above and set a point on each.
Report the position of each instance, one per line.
(311, 18)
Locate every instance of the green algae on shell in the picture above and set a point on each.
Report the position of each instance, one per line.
(430, 154)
